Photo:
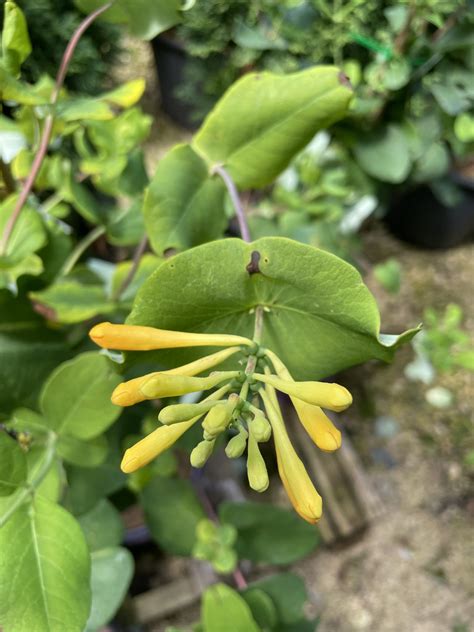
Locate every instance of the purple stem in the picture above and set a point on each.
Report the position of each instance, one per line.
(237, 204)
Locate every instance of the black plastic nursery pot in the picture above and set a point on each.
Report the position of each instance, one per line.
(419, 217)
(171, 60)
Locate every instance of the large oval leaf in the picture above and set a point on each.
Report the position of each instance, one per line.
(44, 579)
(76, 398)
(319, 316)
(224, 609)
(111, 573)
(265, 119)
(183, 205)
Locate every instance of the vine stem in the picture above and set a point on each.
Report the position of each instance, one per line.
(139, 252)
(257, 337)
(235, 199)
(48, 125)
(80, 248)
(30, 488)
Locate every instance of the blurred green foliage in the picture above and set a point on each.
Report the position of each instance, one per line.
(50, 25)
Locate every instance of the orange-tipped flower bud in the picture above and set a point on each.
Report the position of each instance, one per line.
(139, 338)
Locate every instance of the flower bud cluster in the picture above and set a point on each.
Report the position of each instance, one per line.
(242, 405)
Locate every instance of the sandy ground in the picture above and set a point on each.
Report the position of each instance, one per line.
(413, 570)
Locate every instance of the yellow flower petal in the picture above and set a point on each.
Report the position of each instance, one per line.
(154, 444)
(301, 492)
(316, 423)
(166, 385)
(332, 396)
(139, 338)
(129, 393)
(159, 440)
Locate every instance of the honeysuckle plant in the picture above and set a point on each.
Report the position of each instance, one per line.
(153, 277)
(236, 405)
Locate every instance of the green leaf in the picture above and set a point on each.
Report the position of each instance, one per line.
(145, 19)
(13, 469)
(16, 45)
(111, 574)
(19, 92)
(288, 594)
(267, 533)
(127, 226)
(29, 352)
(83, 109)
(148, 264)
(464, 127)
(69, 301)
(320, 316)
(88, 485)
(83, 453)
(44, 579)
(263, 609)
(102, 526)
(434, 163)
(221, 605)
(172, 513)
(28, 236)
(83, 201)
(183, 206)
(125, 95)
(31, 265)
(52, 484)
(265, 119)
(396, 74)
(75, 399)
(384, 154)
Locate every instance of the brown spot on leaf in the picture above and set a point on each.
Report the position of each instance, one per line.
(252, 267)
(344, 80)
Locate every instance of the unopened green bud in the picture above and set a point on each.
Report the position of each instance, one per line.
(256, 468)
(182, 412)
(224, 561)
(261, 429)
(206, 530)
(219, 417)
(201, 453)
(236, 446)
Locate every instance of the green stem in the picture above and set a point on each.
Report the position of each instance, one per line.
(31, 487)
(257, 337)
(80, 248)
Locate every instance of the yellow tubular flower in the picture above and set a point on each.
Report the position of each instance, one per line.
(139, 338)
(301, 492)
(166, 385)
(129, 393)
(256, 468)
(316, 423)
(160, 440)
(332, 396)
